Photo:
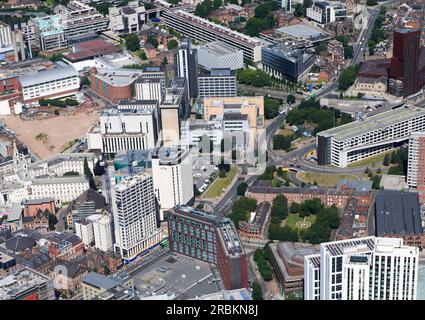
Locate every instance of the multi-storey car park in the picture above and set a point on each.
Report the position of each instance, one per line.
(365, 138)
(206, 31)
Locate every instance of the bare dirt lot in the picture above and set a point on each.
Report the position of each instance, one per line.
(46, 137)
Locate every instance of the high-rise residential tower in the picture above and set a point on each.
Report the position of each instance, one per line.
(135, 216)
(369, 268)
(186, 65)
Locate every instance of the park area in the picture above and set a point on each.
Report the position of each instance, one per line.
(215, 189)
(46, 137)
(295, 222)
(323, 179)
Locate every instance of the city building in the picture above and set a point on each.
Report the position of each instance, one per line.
(149, 89)
(398, 214)
(287, 261)
(211, 238)
(67, 276)
(369, 268)
(95, 230)
(31, 207)
(172, 177)
(407, 63)
(26, 284)
(86, 204)
(127, 19)
(285, 63)
(123, 129)
(323, 12)
(328, 196)
(135, 216)
(186, 66)
(218, 55)
(203, 30)
(65, 189)
(47, 84)
(416, 161)
(173, 108)
(253, 107)
(256, 226)
(72, 23)
(114, 84)
(94, 284)
(361, 139)
(217, 83)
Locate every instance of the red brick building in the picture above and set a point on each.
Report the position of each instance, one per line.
(210, 238)
(328, 197)
(33, 206)
(115, 84)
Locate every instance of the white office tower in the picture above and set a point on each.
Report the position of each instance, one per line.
(102, 233)
(149, 89)
(172, 177)
(367, 268)
(135, 216)
(125, 129)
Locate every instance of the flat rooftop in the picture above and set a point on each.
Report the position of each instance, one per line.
(55, 74)
(378, 121)
(179, 276)
(218, 49)
(19, 282)
(302, 30)
(118, 77)
(397, 213)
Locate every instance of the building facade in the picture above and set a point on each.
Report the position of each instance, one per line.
(369, 268)
(210, 238)
(54, 83)
(186, 66)
(135, 216)
(364, 138)
(218, 83)
(172, 177)
(126, 129)
(286, 63)
(203, 30)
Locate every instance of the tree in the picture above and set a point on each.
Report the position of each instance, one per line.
(257, 292)
(217, 4)
(142, 55)
(85, 81)
(172, 44)
(281, 142)
(347, 77)
(271, 107)
(348, 52)
(164, 61)
(376, 182)
(386, 161)
(70, 174)
(241, 189)
(132, 42)
(290, 99)
(280, 207)
(311, 206)
(89, 175)
(299, 10)
(106, 269)
(321, 47)
(152, 41)
(295, 207)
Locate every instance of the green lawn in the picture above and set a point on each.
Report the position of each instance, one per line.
(324, 179)
(293, 218)
(375, 160)
(215, 189)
